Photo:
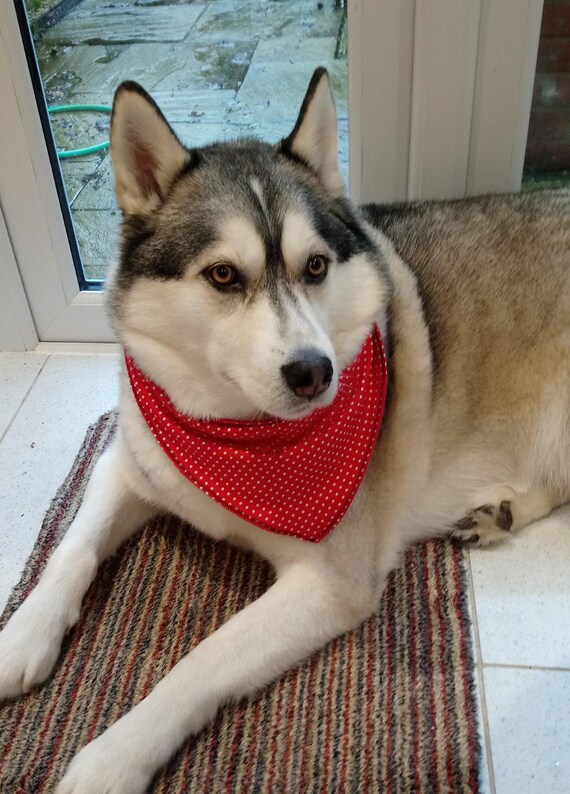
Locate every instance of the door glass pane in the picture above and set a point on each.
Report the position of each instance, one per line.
(547, 161)
(219, 69)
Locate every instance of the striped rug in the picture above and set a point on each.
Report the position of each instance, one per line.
(389, 707)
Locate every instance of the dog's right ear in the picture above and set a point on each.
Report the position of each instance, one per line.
(145, 151)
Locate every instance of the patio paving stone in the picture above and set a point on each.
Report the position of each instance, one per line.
(272, 132)
(97, 233)
(291, 48)
(124, 25)
(98, 191)
(85, 4)
(274, 90)
(188, 105)
(166, 66)
(81, 68)
(75, 177)
(65, 68)
(264, 19)
(196, 64)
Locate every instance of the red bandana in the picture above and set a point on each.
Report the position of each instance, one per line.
(296, 477)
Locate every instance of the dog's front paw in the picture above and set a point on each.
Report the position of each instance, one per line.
(29, 647)
(486, 524)
(103, 767)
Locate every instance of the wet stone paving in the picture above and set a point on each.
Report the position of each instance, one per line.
(219, 70)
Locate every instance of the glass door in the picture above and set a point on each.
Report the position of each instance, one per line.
(217, 69)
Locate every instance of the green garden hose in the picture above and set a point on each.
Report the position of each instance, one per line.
(81, 109)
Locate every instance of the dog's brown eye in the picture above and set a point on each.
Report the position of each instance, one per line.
(223, 275)
(317, 268)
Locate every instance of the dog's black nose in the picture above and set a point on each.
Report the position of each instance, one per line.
(310, 375)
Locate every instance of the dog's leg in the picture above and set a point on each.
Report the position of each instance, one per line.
(300, 613)
(30, 642)
(507, 512)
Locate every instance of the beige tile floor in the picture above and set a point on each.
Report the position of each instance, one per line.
(519, 595)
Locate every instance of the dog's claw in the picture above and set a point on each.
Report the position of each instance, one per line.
(486, 524)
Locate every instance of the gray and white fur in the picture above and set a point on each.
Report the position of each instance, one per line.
(246, 283)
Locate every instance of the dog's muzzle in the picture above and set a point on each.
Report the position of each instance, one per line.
(308, 376)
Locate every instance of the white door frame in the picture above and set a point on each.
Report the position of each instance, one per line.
(17, 329)
(31, 208)
(439, 96)
(506, 66)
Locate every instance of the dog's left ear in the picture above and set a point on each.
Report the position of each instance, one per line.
(314, 137)
(145, 151)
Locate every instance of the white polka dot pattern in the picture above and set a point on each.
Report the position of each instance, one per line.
(295, 477)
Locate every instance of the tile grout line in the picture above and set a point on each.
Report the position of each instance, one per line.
(24, 398)
(540, 668)
(482, 693)
(194, 24)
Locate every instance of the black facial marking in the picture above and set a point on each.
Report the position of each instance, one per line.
(135, 232)
(151, 250)
(274, 265)
(505, 517)
(341, 231)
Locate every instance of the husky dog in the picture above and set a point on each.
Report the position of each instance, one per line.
(247, 284)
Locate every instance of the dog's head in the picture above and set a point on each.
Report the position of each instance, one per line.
(246, 281)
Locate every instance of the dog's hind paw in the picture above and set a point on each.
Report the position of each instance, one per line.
(484, 525)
